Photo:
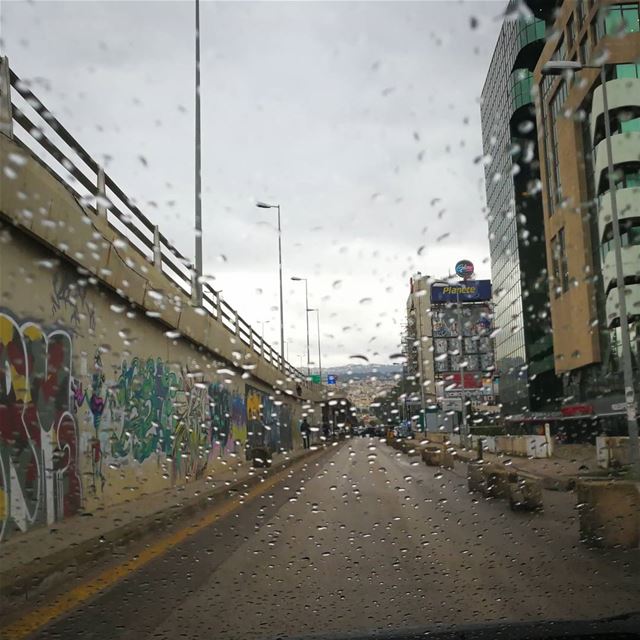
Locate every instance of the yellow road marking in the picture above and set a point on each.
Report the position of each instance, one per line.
(65, 602)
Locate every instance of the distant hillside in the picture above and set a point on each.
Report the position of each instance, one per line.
(359, 371)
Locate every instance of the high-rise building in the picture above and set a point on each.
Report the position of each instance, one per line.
(577, 196)
(523, 344)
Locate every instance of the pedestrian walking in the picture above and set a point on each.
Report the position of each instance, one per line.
(305, 430)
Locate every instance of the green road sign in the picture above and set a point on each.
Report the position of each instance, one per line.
(316, 378)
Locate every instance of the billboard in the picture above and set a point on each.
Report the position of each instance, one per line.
(477, 343)
(468, 291)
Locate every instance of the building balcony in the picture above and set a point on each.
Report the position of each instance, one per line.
(630, 265)
(521, 84)
(632, 299)
(625, 148)
(628, 201)
(531, 40)
(621, 93)
(530, 31)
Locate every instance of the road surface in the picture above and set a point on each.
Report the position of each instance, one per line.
(363, 538)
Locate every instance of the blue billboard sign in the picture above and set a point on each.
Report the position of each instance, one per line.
(467, 291)
(331, 379)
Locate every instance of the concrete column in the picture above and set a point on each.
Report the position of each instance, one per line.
(157, 254)
(101, 195)
(194, 288)
(218, 306)
(6, 117)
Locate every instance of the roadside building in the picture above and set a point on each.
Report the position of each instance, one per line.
(576, 198)
(524, 345)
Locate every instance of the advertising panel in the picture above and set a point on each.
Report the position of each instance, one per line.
(477, 344)
(468, 291)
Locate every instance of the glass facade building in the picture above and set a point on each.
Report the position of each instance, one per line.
(524, 351)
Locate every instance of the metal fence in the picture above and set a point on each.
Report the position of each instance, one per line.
(29, 123)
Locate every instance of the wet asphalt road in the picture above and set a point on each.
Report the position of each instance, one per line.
(363, 539)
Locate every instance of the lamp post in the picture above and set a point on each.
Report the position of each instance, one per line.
(197, 285)
(319, 349)
(423, 406)
(264, 205)
(262, 323)
(556, 68)
(306, 315)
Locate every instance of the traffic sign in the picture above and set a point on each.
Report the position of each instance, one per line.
(331, 379)
(315, 378)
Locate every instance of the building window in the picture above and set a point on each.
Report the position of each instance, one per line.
(555, 259)
(624, 120)
(561, 50)
(584, 51)
(593, 32)
(571, 25)
(557, 103)
(564, 263)
(627, 176)
(623, 18)
(530, 31)
(632, 124)
(521, 84)
(560, 264)
(629, 237)
(627, 70)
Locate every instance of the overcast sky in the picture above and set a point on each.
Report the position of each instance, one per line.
(360, 119)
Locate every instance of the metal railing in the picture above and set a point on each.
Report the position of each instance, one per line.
(25, 119)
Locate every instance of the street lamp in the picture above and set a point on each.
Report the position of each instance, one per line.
(557, 68)
(262, 323)
(264, 205)
(197, 285)
(319, 349)
(306, 315)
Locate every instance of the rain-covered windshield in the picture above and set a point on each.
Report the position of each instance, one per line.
(319, 318)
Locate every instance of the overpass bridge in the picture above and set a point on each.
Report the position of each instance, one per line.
(113, 381)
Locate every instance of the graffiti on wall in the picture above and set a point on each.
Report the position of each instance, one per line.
(268, 421)
(143, 408)
(152, 410)
(69, 294)
(39, 474)
(191, 432)
(144, 396)
(96, 402)
(228, 420)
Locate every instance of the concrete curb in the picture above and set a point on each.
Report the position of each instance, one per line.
(44, 572)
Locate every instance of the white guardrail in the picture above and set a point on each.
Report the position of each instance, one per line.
(25, 119)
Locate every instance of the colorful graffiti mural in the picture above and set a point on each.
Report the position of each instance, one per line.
(39, 474)
(144, 408)
(96, 404)
(228, 419)
(145, 393)
(268, 421)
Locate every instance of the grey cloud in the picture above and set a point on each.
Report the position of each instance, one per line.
(294, 111)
